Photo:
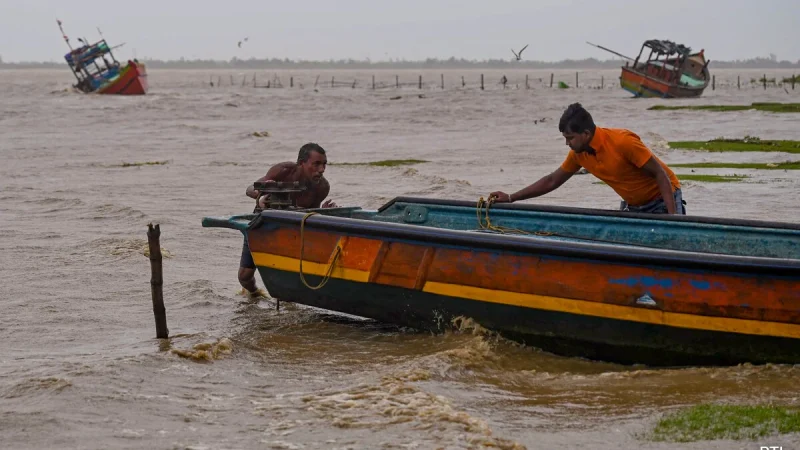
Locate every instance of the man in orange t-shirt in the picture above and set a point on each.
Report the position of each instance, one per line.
(616, 156)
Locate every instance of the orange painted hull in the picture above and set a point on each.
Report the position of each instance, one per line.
(618, 303)
(132, 81)
(642, 85)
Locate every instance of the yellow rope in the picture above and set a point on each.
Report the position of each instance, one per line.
(489, 226)
(334, 257)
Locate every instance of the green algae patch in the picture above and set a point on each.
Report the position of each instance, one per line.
(788, 165)
(710, 422)
(747, 144)
(764, 106)
(711, 178)
(384, 163)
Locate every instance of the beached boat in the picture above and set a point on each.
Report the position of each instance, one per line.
(670, 70)
(97, 70)
(606, 285)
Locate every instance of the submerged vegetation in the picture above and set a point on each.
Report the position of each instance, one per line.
(747, 144)
(788, 165)
(709, 422)
(384, 163)
(764, 106)
(711, 178)
(140, 164)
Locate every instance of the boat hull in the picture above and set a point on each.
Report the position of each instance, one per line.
(643, 85)
(559, 332)
(131, 81)
(619, 303)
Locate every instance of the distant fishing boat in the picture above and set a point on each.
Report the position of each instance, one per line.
(97, 70)
(608, 285)
(670, 71)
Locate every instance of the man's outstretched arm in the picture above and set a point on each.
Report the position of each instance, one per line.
(547, 183)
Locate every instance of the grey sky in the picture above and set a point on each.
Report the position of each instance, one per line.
(410, 29)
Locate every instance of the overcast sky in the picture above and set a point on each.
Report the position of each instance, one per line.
(400, 29)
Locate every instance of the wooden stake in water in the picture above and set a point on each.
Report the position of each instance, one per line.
(713, 82)
(420, 81)
(602, 82)
(527, 86)
(373, 82)
(442, 81)
(463, 83)
(481, 81)
(291, 82)
(397, 81)
(157, 280)
(738, 82)
(551, 80)
(765, 82)
(576, 79)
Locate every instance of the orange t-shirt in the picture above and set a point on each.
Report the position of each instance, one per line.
(619, 156)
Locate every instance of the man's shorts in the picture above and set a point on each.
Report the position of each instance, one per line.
(246, 260)
(658, 206)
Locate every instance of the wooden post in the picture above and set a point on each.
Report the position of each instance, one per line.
(765, 82)
(602, 82)
(219, 81)
(254, 79)
(291, 82)
(420, 81)
(442, 81)
(397, 81)
(527, 86)
(794, 78)
(244, 80)
(551, 80)
(354, 83)
(231, 80)
(738, 82)
(373, 82)
(157, 281)
(481, 81)
(576, 79)
(332, 81)
(713, 82)
(463, 83)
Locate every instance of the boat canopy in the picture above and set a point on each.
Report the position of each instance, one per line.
(667, 47)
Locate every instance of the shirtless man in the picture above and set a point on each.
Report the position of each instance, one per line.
(308, 170)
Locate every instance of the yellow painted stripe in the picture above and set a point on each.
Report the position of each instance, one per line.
(630, 313)
(309, 268)
(548, 303)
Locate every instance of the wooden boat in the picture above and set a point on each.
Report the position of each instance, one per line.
(669, 71)
(97, 70)
(606, 285)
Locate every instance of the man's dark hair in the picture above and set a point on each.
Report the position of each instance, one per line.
(576, 120)
(305, 151)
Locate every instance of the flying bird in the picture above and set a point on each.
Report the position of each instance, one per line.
(243, 40)
(519, 55)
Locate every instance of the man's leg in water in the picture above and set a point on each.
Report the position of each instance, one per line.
(247, 271)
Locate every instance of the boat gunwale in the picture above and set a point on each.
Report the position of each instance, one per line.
(534, 244)
(600, 212)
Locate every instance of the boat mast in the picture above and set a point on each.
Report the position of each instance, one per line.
(610, 51)
(66, 39)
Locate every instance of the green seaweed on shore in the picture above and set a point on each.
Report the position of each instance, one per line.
(746, 144)
(384, 163)
(762, 106)
(709, 422)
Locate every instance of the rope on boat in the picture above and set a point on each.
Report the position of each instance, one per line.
(334, 257)
(483, 207)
